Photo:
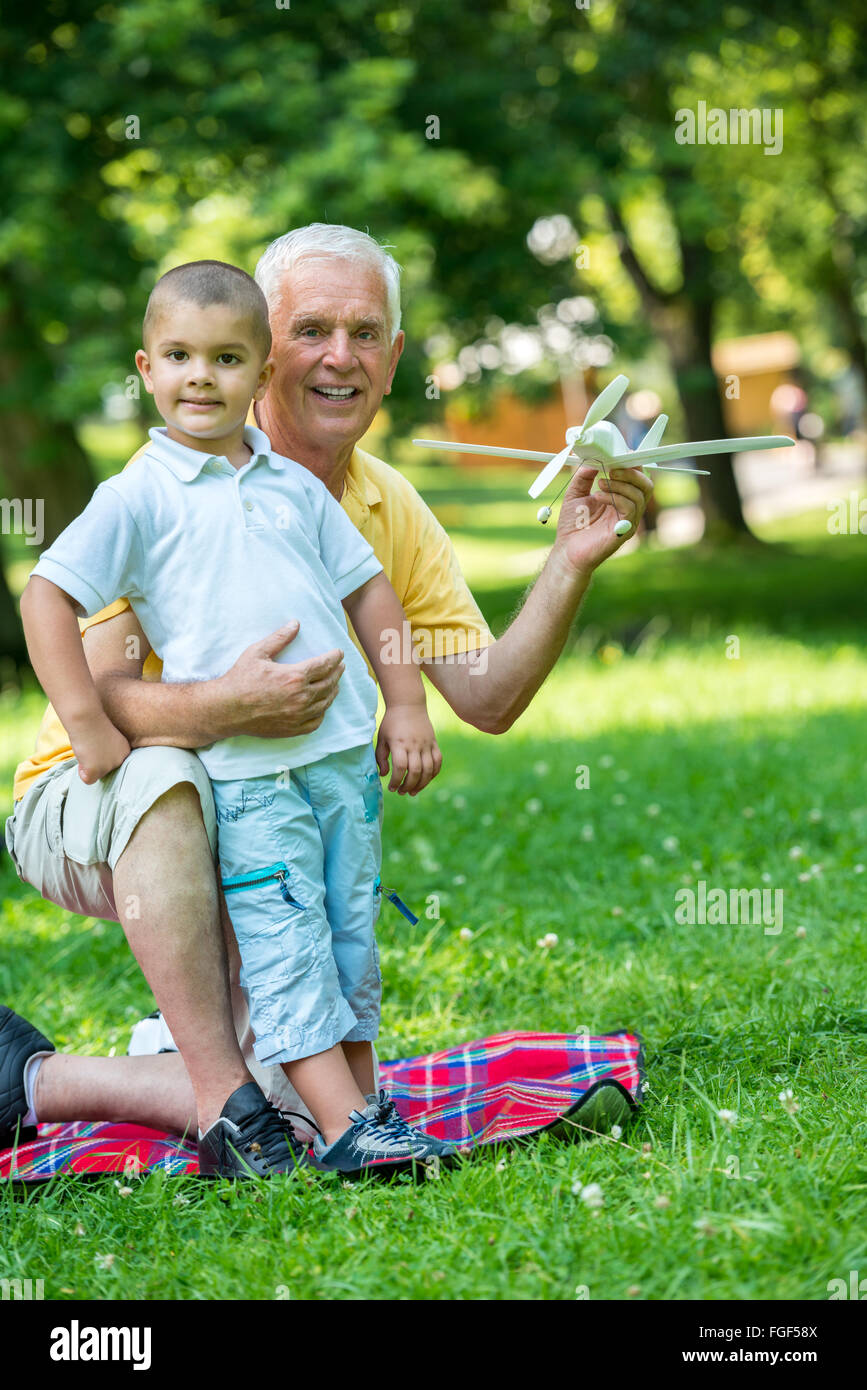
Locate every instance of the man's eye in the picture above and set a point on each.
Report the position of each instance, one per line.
(309, 332)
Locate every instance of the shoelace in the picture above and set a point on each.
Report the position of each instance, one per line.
(391, 1128)
(272, 1133)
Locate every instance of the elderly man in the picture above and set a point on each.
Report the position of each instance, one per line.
(139, 845)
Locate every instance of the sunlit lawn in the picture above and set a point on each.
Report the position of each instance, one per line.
(745, 771)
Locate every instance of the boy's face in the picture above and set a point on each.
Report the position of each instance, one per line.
(203, 367)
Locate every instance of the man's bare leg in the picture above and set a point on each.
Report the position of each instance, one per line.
(167, 901)
(151, 1091)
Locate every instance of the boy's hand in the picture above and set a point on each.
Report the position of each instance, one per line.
(99, 748)
(407, 733)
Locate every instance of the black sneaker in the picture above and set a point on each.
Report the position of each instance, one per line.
(250, 1140)
(19, 1041)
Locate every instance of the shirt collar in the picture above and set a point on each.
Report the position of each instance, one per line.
(187, 464)
(360, 486)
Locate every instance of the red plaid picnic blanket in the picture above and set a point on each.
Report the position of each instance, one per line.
(486, 1092)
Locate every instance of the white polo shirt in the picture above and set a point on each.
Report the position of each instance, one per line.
(212, 558)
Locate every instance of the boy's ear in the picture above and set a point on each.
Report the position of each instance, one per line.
(144, 367)
(265, 376)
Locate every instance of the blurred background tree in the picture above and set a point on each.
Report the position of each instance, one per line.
(490, 145)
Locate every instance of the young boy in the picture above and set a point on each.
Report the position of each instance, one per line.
(214, 539)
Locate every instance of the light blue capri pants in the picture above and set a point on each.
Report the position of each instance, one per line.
(299, 856)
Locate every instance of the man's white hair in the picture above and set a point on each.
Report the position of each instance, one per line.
(327, 239)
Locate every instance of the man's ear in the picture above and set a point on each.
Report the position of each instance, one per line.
(143, 363)
(396, 349)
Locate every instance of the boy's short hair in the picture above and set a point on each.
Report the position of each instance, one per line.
(211, 282)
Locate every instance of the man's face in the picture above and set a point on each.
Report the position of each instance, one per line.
(333, 355)
(203, 367)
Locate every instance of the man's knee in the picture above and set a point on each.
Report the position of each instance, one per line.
(172, 795)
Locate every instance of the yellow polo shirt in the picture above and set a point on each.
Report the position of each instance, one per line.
(412, 548)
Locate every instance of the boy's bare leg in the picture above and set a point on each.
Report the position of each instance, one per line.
(328, 1089)
(359, 1056)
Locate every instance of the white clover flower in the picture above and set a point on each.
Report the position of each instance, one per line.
(727, 1116)
(104, 1261)
(534, 806)
(606, 760)
(618, 799)
(788, 1102)
(541, 769)
(592, 1195)
(804, 878)
(459, 802)
(815, 815)
(696, 866)
(627, 965)
(459, 879)
(796, 852)
(548, 941)
(587, 832)
(748, 813)
(858, 869)
(766, 878)
(661, 1201)
(647, 861)
(487, 819)
(576, 1188)
(124, 1191)
(801, 932)
(653, 809)
(616, 1132)
(617, 912)
(466, 933)
(815, 869)
(670, 843)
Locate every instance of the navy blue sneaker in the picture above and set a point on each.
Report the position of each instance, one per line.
(381, 1143)
(19, 1041)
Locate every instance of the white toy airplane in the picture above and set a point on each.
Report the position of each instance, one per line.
(599, 443)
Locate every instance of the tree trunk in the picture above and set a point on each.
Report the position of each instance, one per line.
(40, 458)
(13, 651)
(690, 353)
(682, 321)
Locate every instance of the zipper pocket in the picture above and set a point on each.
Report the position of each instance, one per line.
(401, 906)
(259, 876)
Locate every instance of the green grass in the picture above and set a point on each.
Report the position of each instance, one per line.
(746, 773)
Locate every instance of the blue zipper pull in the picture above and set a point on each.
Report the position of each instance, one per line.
(398, 902)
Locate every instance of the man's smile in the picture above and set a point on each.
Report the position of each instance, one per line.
(336, 393)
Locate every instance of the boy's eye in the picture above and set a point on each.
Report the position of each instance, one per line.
(231, 356)
(177, 354)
